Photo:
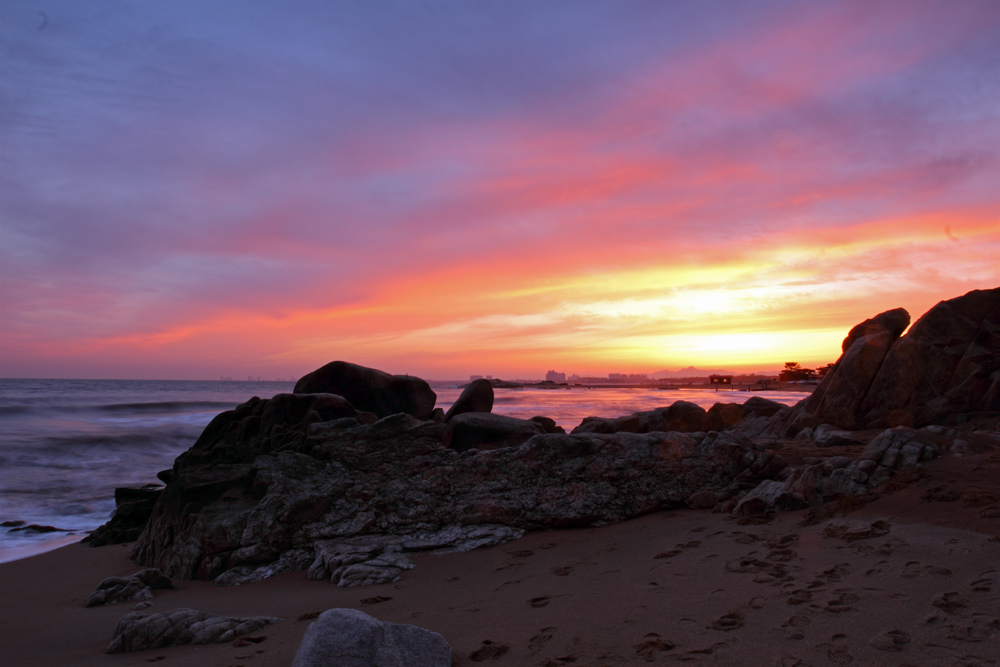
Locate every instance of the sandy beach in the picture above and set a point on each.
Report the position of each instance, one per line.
(908, 579)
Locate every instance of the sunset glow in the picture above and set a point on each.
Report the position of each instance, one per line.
(502, 188)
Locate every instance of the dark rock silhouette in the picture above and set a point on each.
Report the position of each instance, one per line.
(371, 390)
(947, 365)
(477, 397)
(482, 430)
(260, 510)
(133, 508)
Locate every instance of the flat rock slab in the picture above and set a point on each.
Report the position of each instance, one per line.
(138, 586)
(351, 638)
(138, 632)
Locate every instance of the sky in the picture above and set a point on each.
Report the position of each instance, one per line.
(191, 190)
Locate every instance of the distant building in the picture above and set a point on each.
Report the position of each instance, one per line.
(618, 377)
(725, 380)
(553, 376)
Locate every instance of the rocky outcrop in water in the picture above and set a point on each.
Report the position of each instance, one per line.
(476, 397)
(352, 637)
(371, 390)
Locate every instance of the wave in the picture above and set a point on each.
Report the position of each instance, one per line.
(167, 406)
(150, 408)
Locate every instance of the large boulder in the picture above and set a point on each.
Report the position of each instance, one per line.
(483, 430)
(682, 416)
(476, 397)
(371, 390)
(946, 368)
(947, 364)
(351, 638)
(838, 396)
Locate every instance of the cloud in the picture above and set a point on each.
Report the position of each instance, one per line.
(302, 180)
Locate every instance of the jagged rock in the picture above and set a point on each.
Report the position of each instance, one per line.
(892, 450)
(946, 368)
(341, 479)
(380, 559)
(137, 631)
(477, 397)
(837, 398)
(894, 322)
(138, 586)
(132, 510)
(947, 364)
(482, 430)
(371, 390)
(351, 638)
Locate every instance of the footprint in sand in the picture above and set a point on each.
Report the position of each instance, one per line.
(800, 596)
(557, 662)
(539, 601)
(842, 603)
(667, 554)
(536, 643)
(521, 554)
(378, 599)
(490, 650)
(652, 644)
(914, 569)
(562, 571)
(950, 602)
(836, 650)
(745, 538)
(693, 544)
(890, 640)
(985, 583)
(727, 622)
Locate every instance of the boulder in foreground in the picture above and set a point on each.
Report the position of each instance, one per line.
(350, 638)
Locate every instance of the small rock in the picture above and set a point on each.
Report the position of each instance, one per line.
(138, 586)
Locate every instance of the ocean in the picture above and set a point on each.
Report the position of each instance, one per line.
(66, 444)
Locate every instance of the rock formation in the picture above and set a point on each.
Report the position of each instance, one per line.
(138, 586)
(354, 639)
(349, 484)
(132, 510)
(946, 366)
(138, 631)
(477, 397)
(258, 496)
(370, 390)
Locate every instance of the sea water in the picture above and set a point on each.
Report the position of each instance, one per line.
(66, 444)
